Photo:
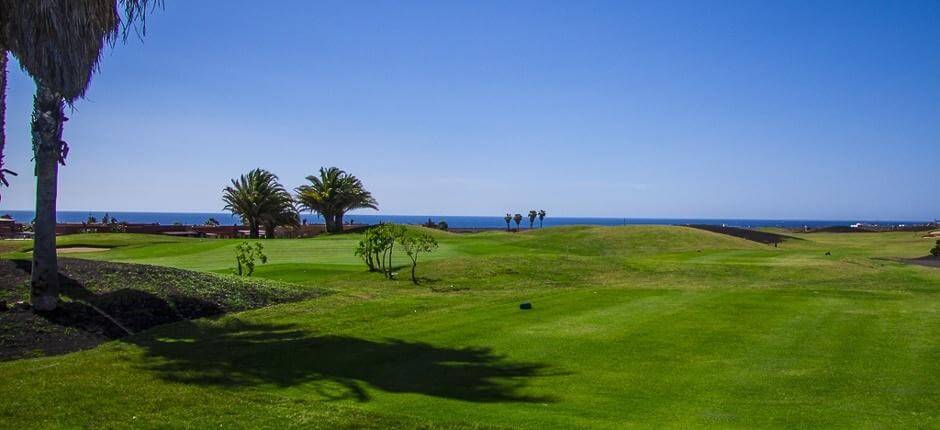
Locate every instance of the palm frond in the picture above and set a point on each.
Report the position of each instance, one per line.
(59, 42)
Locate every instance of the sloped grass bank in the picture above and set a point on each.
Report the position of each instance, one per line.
(103, 301)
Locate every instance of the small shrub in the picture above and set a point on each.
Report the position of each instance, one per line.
(377, 246)
(245, 256)
(415, 245)
(936, 250)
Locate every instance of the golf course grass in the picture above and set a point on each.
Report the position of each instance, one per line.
(640, 326)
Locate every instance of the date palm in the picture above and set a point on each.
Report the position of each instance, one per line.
(258, 198)
(331, 194)
(532, 215)
(518, 219)
(541, 217)
(287, 216)
(59, 44)
(353, 196)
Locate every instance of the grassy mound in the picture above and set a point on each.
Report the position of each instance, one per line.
(103, 300)
(629, 240)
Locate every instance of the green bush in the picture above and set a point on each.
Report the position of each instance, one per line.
(377, 246)
(936, 250)
(245, 256)
(414, 245)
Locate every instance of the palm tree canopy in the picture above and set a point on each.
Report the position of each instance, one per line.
(59, 42)
(258, 197)
(334, 191)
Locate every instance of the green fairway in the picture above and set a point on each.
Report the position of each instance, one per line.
(632, 327)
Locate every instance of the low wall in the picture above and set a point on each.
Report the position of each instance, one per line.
(222, 231)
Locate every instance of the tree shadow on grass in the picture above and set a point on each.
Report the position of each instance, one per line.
(128, 308)
(233, 353)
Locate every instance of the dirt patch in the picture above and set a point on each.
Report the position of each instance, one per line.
(103, 301)
(79, 249)
(747, 234)
(76, 250)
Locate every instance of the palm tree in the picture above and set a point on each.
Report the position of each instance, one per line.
(58, 43)
(331, 194)
(541, 217)
(287, 216)
(353, 196)
(532, 215)
(321, 195)
(507, 218)
(257, 198)
(518, 219)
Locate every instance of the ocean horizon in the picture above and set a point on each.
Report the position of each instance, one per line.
(454, 221)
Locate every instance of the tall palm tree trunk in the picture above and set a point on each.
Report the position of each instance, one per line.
(253, 230)
(48, 119)
(269, 231)
(330, 220)
(3, 104)
(338, 222)
(3, 114)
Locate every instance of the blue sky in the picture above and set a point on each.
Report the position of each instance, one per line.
(700, 109)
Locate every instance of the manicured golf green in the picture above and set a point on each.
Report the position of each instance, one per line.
(630, 327)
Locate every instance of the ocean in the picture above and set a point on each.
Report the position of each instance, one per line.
(196, 218)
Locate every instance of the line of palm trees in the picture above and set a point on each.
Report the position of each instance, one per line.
(533, 214)
(261, 201)
(58, 43)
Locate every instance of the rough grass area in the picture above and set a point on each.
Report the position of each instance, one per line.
(104, 300)
(631, 327)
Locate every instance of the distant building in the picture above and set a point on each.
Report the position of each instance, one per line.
(7, 226)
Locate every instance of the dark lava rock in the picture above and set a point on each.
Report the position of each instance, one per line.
(3, 306)
(525, 306)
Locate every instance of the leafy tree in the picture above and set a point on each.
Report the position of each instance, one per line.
(245, 256)
(532, 215)
(415, 245)
(391, 233)
(257, 198)
(212, 222)
(331, 194)
(442, 225)
(541, 217)
(91, 219)
(377, 247)
(936, 250)
(508, 219)
(106, 219)
(367, 250)
(59, 44)
(518, 219)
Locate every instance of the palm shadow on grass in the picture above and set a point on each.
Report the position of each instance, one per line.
(234, 353)
(133, 309)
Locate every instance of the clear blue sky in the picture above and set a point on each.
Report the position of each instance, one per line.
(700, 109)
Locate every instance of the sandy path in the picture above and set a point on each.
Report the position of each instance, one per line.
(79, 249)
